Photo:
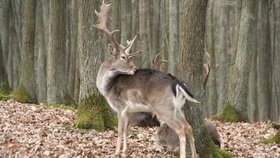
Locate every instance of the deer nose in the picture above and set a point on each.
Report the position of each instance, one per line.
(132, 70)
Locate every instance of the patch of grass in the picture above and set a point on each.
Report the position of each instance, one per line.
(4, 97)
(273, 139)
(62, 106)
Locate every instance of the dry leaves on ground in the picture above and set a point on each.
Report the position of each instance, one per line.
(28, 130)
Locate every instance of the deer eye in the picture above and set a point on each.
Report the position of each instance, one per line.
(123, 57)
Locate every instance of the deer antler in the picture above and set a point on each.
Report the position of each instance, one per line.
(103, 18)
(156, 62)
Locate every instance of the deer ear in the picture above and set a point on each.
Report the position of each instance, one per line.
(112, 50)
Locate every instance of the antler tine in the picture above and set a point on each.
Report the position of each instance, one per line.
(156, 62)
(103, 19)
(129, 45)
(131, 55)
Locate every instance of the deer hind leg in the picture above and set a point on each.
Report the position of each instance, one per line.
(189, 133)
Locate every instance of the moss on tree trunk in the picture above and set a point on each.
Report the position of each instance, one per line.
(212, 151)
(21, 95)
(230, 114)
(94, 113)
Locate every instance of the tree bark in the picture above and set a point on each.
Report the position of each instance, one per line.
(27, 77)
(264, 61)
(41, 67)
(222, 51)
(92, 112)
(56, 54)
(4, 84)
(173, 36)
(245, 49)
(212, 90)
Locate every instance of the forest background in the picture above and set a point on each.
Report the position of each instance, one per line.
(50, 51)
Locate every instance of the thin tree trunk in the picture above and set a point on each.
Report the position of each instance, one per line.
(56, 54)
(27, 77)
(173, 36)
(212, 97)
(4, 85)
(74, 48)
(222, 51)
(264, 61)
(42, 55)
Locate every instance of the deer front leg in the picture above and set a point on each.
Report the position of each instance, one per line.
(120, 133)
(126, 121)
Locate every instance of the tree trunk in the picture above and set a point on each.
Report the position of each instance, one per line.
(126, 21)
(56, 54)
(264, 61)
(93, 111)
(245, 49)
(212, 94)
(222, 51)
(74, 50)
(156, 27)
(191, 71)
(26, 91)
(42, 55)
(276, 64)
(173, 36)
(4, 85)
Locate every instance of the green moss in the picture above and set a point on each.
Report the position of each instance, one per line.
(273, 139)
(69, 100)
(213, 151)
(229, 114)
(21, 95)
(5, 89)
(88, 118)
(4, 97)
(95, 113)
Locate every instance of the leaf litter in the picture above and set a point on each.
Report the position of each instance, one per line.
(29, 130)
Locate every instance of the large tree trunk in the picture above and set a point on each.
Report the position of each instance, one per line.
(276, 65)
(241, 71)
(92, 112)
(56, 81)
(191, 71)
(264, 61)
(26, 91)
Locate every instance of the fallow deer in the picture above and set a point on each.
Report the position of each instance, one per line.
(128, 90)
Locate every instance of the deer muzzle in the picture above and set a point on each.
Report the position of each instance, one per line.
(132, 70)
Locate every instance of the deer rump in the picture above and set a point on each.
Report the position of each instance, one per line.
(147, 88)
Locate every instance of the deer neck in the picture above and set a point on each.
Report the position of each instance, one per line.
(104, 78)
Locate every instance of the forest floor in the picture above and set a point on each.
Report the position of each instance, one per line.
(28, 130)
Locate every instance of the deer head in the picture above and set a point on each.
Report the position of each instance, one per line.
(120, 62)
